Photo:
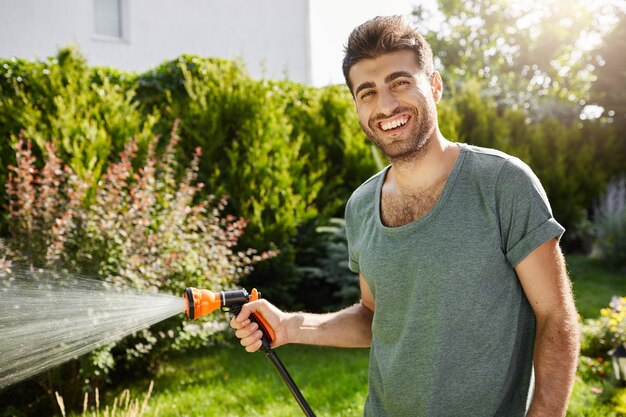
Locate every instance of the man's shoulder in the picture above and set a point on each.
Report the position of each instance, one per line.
(505, 173)
(493, 162)
(487, 155)
(366, 192)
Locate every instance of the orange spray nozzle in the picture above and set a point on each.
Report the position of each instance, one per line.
(202, 302)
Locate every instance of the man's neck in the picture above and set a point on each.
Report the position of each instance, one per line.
(427, 168)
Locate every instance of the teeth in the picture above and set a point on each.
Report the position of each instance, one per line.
(394, 123)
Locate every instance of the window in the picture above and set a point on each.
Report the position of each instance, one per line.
(108, 14)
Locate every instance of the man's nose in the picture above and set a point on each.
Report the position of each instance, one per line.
(387, 102)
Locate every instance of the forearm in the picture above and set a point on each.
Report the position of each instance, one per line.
(555, 358)
(350, 327)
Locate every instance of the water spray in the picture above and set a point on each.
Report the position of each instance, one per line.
(202, 302)
(48, 318)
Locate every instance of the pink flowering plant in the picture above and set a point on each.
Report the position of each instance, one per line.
(145, 224)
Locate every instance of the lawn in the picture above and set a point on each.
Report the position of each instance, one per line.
(593, 284)
(226, 381)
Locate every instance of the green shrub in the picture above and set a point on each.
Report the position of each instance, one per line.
(332, 139)
(596, 391)
(599, 336)
(145, 228)
(203, 93)
(591, 399)
(287, 155)
(328, 283)
(236, 121)
(87, 113)
(573, 160)
(610, 224)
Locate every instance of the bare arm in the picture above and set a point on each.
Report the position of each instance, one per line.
(350, 327)
(544, 278)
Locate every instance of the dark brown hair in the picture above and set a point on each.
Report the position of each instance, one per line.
(384, 34)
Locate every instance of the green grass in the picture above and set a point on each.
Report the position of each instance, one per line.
(593, 284)
(226, 381)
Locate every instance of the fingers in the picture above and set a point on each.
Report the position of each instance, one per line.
(236, 324)
(250, 336)
(243, 318)
(246, 330)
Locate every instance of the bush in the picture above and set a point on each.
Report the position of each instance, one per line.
(328, 283)
(599, 336)
(336, 146)
(288, 156)
(145, 228)
(596, 386)
(610, 224)
(88, 113)
(573, 160)
(593, 399)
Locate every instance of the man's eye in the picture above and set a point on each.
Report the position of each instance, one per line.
(400, 82)
(367, 94)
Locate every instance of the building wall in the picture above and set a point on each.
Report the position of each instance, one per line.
(271, 36)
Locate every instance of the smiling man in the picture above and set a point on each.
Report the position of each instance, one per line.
(464, 291)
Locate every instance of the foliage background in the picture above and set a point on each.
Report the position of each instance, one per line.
(287, 156)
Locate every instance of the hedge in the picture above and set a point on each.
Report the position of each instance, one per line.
(286, 155)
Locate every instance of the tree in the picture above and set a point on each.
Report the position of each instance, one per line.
(611, 73)
(536, 55)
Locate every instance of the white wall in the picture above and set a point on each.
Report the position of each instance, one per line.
(272, 36)
(332, 21)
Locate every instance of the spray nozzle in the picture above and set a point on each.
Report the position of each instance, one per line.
(202, 302)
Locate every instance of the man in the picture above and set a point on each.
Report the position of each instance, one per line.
(464, 289)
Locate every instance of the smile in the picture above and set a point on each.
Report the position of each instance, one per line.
(394, 123)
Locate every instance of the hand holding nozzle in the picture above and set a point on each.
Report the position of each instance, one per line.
(202, 302)
(247, 331)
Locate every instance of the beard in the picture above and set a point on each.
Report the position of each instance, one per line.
(412, 144)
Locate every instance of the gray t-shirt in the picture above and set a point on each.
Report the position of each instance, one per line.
(453, 331)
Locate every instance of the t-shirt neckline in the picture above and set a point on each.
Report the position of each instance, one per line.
(436, 208)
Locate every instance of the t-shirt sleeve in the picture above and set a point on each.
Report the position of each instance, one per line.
(353, 258)
(525, 215)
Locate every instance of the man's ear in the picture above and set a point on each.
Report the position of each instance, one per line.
(436, 85)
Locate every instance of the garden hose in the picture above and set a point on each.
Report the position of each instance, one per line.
(201, 302)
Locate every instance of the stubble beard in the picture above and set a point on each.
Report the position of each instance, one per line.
(414, 145)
